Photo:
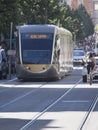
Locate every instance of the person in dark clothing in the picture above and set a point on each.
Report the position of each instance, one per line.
(91, 62)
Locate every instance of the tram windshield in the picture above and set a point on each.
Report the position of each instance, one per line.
(36, 48)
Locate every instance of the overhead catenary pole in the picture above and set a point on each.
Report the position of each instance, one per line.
(11, 29)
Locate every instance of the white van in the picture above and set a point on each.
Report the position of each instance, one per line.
(3, 64)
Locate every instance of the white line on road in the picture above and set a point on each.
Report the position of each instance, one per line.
(75, 101)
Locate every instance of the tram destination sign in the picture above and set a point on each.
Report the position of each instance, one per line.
(37, 36)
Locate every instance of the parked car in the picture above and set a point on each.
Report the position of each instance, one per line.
(78, 56)
(3, 64)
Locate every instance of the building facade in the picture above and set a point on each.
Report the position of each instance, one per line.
(91, 7)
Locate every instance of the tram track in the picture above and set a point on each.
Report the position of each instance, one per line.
(19, 97)
(88, 114)
(7, 85)
(85, 118)
(39, 114)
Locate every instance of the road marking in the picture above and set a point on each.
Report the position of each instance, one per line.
(75, 101)
(7, 81)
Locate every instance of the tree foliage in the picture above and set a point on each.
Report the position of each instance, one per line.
(86, 26)
(44, 12)
(8, 14)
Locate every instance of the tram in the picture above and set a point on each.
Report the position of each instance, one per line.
(43, 52)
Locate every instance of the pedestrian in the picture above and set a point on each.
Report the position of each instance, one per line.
(91, 62)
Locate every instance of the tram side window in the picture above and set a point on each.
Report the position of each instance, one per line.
(57, 46)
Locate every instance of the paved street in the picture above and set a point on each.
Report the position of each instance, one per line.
(59, 105)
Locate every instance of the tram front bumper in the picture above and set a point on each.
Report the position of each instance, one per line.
(22, 73)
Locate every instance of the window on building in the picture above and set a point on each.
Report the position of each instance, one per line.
(80, 2)
(95, 5)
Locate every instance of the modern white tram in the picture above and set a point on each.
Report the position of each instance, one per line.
(43, 52)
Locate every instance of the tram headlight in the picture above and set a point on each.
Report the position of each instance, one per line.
(44, 68)
(28, 68)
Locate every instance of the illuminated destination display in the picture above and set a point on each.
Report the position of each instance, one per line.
(38, 36)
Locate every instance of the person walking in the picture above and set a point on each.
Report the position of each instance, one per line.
(91, 62)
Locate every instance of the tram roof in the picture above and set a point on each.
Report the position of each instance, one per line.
(37, 28)
(41, 28)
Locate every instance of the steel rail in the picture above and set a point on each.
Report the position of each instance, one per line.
(22, 96)
(88, 114)
(39, 114)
